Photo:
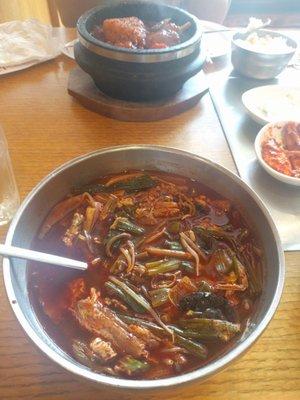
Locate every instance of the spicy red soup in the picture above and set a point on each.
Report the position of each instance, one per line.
(174, 273)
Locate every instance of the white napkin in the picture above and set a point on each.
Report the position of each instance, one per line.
(26, 41)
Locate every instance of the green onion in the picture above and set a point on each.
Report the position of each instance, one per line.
(223, 261)
(174, 245)
(124, 225)
(82, 353)
(141, 322)
(139, 299)
(113, 241)
(174, 227)
(159, 296)
(191, 346)
(91, 189)
(131, 185)
(131, 366)
(115, 290)
(188, 267)
(255, 282)
(203, 328)
(162, 266)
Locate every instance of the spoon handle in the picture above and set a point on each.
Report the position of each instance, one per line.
(11, 251)
(248, 31)
(220, 30)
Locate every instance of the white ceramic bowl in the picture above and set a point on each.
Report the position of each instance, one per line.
(274, 130)
(272, 103)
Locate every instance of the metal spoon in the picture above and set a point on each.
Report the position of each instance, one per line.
(264, 25)
(18, 252)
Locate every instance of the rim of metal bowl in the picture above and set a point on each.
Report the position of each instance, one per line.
(138, 56)
(294, 44)
(201, 373)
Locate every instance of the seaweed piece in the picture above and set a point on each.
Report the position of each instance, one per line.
(201, 301)
(91, 188)
(130, 186)
(137, 184)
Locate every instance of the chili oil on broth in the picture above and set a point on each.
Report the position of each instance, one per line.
(50, 294)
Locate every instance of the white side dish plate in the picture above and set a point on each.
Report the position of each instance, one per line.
(272, 130)
(272, 103)
(217, 44)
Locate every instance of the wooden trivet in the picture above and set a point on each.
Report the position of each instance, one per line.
(82, 87)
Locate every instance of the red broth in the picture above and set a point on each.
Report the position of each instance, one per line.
(174, 274)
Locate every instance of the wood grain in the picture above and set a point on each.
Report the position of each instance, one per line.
(82, 87)
(24, 9)
(46, 127)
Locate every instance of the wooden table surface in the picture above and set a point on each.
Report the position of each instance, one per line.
(45, 127)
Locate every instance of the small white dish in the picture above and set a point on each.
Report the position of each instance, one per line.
(68, 49)
(217, 44)
(272, 103)
(273, 130)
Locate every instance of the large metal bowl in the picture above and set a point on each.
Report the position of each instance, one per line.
(112, 160)
(259, 65)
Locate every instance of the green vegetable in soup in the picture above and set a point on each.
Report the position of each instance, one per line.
(125, 225)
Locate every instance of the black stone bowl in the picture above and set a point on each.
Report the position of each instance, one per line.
(139, 75)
